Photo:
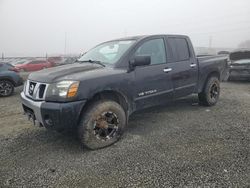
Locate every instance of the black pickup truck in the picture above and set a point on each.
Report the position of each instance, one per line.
(97, 94)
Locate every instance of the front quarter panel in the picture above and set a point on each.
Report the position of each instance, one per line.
(121, 82)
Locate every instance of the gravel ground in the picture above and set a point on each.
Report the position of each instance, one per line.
(182, 144)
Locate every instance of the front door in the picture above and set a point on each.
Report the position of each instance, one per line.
(153, 85)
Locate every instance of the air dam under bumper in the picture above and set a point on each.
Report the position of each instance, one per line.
(53, 115)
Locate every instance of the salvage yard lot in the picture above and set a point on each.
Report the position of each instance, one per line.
(181, 144)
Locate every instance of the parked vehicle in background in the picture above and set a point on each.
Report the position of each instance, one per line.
(223, 53)
(68, 60)
(20, 61)
(55, 60)
(97, 94)
(34, 65)
(239, 68)
(9, 79)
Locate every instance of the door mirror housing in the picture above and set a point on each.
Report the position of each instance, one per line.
(140, 61)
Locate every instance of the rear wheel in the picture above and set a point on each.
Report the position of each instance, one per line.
(6, 88)
(211, 92)
(102, 124)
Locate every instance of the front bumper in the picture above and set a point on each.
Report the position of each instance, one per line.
(53, 115)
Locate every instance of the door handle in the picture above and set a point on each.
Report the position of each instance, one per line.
(167, 70)
(193, 65)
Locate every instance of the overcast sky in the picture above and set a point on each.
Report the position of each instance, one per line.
(37, 27)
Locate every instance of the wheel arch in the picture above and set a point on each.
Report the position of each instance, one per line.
(8, 79)
(215, 73)
(113, 95)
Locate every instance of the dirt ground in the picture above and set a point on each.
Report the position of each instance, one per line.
(181, 144)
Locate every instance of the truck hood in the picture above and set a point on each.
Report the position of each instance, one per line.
(63, 72)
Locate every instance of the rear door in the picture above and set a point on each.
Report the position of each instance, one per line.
(152, 85)
(184, 66)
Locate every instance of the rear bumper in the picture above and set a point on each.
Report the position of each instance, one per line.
(53, 115)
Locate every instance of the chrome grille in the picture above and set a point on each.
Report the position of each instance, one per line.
(35, 90)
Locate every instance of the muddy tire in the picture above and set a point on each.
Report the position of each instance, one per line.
(6, 88)
(101, 124)
(211, 92)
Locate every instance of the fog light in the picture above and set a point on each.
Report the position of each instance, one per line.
(48, 121)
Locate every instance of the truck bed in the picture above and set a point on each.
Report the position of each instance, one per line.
(208, 62)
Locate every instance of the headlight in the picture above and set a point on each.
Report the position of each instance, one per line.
(62, 89)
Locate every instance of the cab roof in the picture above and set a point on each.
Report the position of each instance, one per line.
(140, 37)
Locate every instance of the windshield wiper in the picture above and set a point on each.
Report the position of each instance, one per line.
(91, 61)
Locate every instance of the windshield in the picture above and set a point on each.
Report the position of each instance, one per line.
(108, 52)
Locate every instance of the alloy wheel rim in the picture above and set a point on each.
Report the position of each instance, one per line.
(5, 88)
(214, 91)
(106, 126)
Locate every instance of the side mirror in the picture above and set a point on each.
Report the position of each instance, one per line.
(140, 61)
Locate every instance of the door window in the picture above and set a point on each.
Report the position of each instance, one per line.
(154, 48)
(180, 48)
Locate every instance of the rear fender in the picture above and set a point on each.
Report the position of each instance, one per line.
(203, 80)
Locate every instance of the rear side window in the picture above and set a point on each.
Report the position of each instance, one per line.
(179, 48)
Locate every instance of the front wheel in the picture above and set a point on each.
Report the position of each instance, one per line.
(211, 92)
(6, 88)
(102, 124)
